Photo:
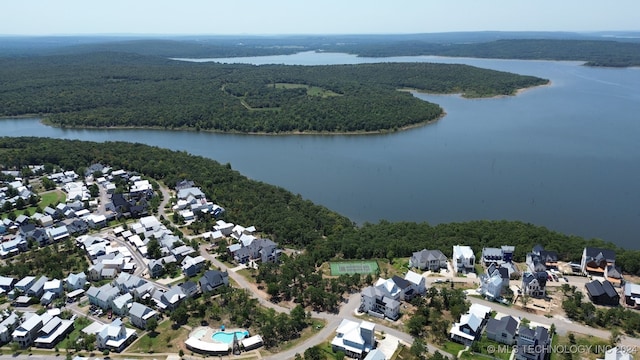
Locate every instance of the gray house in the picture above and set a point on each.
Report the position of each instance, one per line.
(140, 314)
(433, 260)
(213, 279)
(503, 330)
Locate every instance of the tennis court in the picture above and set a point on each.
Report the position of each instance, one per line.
(353, 267)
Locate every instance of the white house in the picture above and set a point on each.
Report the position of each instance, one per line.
(354, 339)
(418, 283)
(381, 300)
(463, 259)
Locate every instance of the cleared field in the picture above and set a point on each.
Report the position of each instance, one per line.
(311, 90)
(353, 267)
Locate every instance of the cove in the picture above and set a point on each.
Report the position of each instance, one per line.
(565, 156)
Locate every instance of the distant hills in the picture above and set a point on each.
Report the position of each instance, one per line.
(617, 49)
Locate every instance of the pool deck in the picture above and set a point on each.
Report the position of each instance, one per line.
(205, 333)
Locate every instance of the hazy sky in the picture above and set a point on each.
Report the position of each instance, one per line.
(51, 17)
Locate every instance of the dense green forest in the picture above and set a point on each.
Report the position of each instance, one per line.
(120, 89)
(593, 52)
(289, 218)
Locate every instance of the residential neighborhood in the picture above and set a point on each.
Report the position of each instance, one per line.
(140, 272)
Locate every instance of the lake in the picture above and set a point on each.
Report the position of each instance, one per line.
(565, 156)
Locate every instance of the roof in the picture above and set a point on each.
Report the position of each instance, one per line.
(595, 253)
(506, 323)
(375, 354)
(400, 282)
(597, 288)
(462, 251)
(491, 252)
(141, 311)
(413, 277)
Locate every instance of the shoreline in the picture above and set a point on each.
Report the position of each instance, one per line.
(42, 118)
(43, 121)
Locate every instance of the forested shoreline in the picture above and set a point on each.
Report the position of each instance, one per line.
(291, 220)
(130, 90)
(591, 49)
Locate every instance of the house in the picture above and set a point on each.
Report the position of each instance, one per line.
(53, 286)
(126, 282)
(213, 279)
(406, 291)
(502, 330)
(354, 339)
(433, 260)
(540, 259)
(27, 332)
(96, 221)
(494, 281)
(7, 326)
(52, 332)
(7, 283)
(469, 328)
(632, 295)
(114, 336)
(602, 293)
(375, 354)
(37, 289)
(534, 284)
(156, 268)
(191, 266)
(595, 260)
(532, 344)
(75, 281)
(120, 304)
(102, 296)
(25, 283)
(613, 274)
(491, 256)
(190, 288)
(169, 300)
(139, 315)
(381, 300)
(418, 282)
(463, 259)
(616, 353)
(58, 234)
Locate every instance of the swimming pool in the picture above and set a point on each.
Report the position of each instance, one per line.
(227, 337)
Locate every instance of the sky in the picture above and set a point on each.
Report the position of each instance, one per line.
(279, 17)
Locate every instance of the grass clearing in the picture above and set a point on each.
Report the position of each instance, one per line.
(452, 348)
(167, 340)
(311, 90)
(46, 199)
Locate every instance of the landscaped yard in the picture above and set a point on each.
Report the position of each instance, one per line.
(166, 339)
(46, 199)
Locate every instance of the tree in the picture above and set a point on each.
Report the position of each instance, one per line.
(152, 324)
(416, 324)
(418, 348)
(153, 248)
(313, 353)
(179, 316)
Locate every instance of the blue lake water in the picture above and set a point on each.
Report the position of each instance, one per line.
(566, 156)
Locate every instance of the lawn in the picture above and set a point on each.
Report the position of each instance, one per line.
(452, 348)
(46, 199)
(311, 90)
(166, 340)
(70, 341)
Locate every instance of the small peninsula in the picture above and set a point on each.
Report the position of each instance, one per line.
(109, 90)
